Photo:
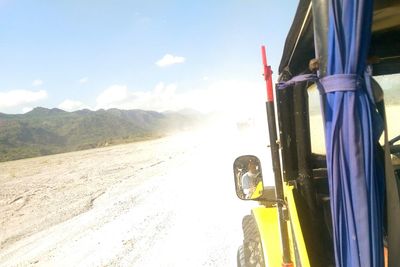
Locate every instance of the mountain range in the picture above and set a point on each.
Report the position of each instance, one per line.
(45, 131)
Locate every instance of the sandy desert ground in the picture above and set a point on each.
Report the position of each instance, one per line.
(165, 202)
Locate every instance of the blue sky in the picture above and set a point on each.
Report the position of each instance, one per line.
(102, 54)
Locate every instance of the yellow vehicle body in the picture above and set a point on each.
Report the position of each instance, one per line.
(257, 191)
(268, 226)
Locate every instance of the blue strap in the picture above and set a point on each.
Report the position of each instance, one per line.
(329, 84)
(341, 82)
(297, 79)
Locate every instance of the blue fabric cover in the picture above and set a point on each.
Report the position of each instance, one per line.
(352, 129)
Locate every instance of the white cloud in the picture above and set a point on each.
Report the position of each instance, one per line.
(17, 98)
(228, 96)
(83, 80)
(26, 109)
(118, 96)
(169, 59)
(37, 82)
(113, 96)
(71, 105)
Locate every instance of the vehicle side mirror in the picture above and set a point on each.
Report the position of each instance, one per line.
(248, 177)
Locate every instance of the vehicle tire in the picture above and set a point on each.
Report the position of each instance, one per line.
(240, 257)
(252, 247)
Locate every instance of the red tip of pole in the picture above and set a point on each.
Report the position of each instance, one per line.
(264, 55)
(267, 75)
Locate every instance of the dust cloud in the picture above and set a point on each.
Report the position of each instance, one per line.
(164, 202)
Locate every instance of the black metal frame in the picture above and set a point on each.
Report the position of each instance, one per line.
(278, 180)
(297, 168)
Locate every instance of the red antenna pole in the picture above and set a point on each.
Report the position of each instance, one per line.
(267, 75)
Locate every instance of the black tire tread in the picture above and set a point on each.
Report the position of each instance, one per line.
(250, 229)
(251, 236)
(241, 262)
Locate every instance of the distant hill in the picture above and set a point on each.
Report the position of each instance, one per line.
(45, 131)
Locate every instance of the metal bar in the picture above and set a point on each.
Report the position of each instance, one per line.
(322, 248)
(275, 160)
(302, 128)
(321, 25)
(284, 99)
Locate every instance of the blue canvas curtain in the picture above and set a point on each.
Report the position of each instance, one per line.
(352, 129)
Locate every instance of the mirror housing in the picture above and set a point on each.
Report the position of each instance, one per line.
(248, 177)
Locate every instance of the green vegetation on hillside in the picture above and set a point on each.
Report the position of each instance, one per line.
(48, 131)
